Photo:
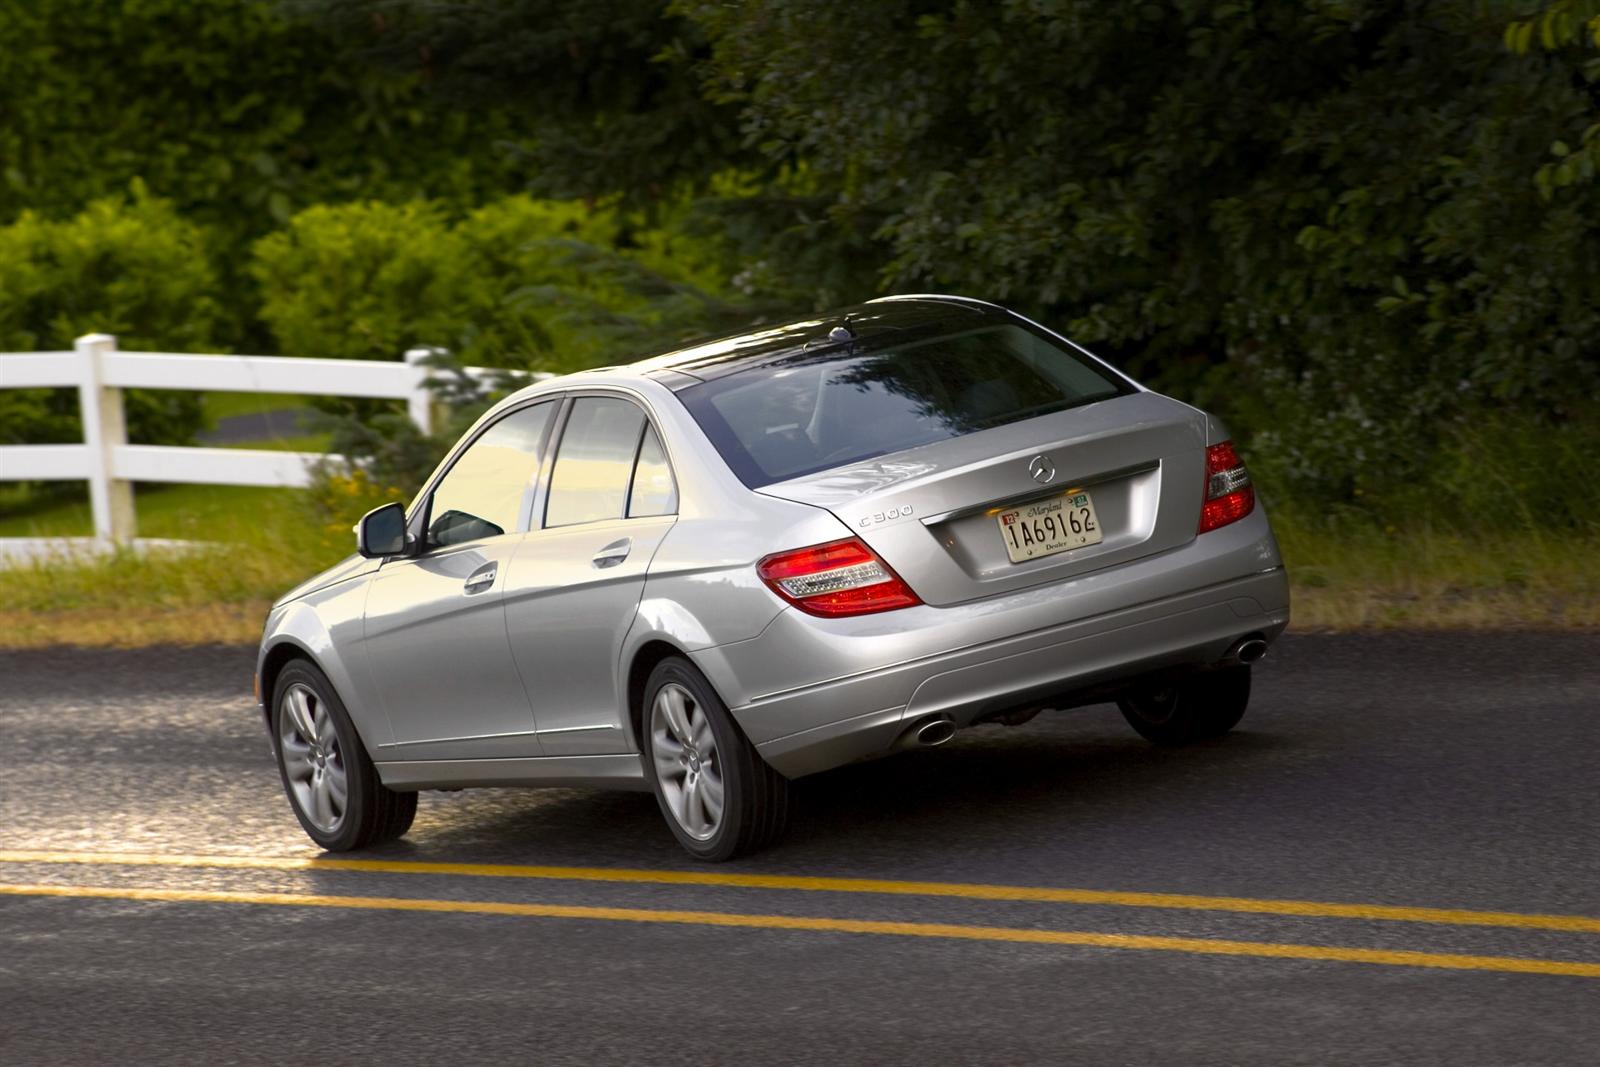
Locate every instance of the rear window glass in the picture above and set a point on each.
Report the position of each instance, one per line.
(807, 414)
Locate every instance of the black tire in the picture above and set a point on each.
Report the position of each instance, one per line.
(1203, 705)
(755, 810)
(372, 813)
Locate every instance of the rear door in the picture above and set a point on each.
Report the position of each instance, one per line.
(575, 581)
(922, 445)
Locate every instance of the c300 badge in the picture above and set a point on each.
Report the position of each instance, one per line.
(901, 512)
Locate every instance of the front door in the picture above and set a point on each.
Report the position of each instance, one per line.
(574, 585)
(435, 623)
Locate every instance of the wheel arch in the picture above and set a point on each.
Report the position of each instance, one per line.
(645, 659)
(300, 631)
(274, 659)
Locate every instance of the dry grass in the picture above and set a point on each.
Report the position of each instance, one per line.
(264, 543)
(1368, 579)
(135, 627)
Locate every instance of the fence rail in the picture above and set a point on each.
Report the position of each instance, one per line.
(111, 465)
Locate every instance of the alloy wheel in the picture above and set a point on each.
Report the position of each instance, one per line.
(313, 763)
(686, 761)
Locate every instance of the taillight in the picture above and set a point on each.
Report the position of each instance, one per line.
(1229, 495)
(838, 578)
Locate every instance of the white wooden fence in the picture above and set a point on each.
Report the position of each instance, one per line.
(111, 465)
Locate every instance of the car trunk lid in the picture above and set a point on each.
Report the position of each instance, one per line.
(930, 512)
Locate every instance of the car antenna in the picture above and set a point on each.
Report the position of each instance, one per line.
(842, 333)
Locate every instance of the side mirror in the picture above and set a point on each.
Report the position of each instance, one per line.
(382, 532)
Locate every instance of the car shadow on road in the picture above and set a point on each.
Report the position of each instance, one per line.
(993, 788)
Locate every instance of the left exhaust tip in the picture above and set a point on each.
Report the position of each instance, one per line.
(1248, 650)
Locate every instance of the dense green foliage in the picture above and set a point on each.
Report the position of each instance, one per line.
(236, 113)
(130, 267)
(601, 94)
(1319, 217)
(1366, 231)
(549, 285)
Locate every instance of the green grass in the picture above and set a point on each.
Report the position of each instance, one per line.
(184, 512)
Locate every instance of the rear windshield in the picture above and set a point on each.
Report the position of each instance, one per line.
(813, 412)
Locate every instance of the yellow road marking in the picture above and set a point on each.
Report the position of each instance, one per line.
(1204, 946)
(1304, 908)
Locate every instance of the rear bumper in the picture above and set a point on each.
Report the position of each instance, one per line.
(818, 693)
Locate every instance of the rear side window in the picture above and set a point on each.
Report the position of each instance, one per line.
(594, 462)
(654, 492)
(807, 414)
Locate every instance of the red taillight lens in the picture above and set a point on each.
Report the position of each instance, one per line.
(838, 578)
(1229, 495)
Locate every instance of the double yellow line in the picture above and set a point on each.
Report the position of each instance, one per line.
(1209, 946)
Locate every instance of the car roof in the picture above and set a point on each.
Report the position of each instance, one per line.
(773, 344)
(767, 345)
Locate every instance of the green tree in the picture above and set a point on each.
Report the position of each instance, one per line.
(238, 113)
(1566, 26)
(1316, 216)
(602, 93)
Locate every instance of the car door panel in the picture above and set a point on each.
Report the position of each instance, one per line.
(574, 585)
(570, 599)
(440, 657)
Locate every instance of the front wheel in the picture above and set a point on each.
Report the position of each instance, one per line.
(331, 782)
(1203, 705)
(719, 797)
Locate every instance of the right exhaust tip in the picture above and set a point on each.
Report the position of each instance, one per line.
(936, 732)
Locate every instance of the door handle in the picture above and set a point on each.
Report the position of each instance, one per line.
(480, 579)
(614, 553)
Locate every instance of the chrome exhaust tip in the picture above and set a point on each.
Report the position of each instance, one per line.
(1247, 650)
(935, 732)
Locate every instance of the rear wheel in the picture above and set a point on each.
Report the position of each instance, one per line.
(1202, 705)
(719, 797)
(331, 782)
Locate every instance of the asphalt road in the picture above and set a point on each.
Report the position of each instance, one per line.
(1407, 773)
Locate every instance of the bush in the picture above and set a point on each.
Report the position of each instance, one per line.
(520, 283)
(365, 280)
(562, 287)
(125, 266)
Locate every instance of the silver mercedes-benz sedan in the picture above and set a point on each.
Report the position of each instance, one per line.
(716, 571)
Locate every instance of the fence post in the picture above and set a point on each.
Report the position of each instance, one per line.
(104, 428)
(419, 405)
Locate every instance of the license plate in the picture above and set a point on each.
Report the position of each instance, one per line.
(1046, 527)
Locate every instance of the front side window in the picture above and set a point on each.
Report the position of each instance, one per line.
(594, 462)
(482, 493)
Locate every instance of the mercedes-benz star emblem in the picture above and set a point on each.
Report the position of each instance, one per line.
(1042, 469)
